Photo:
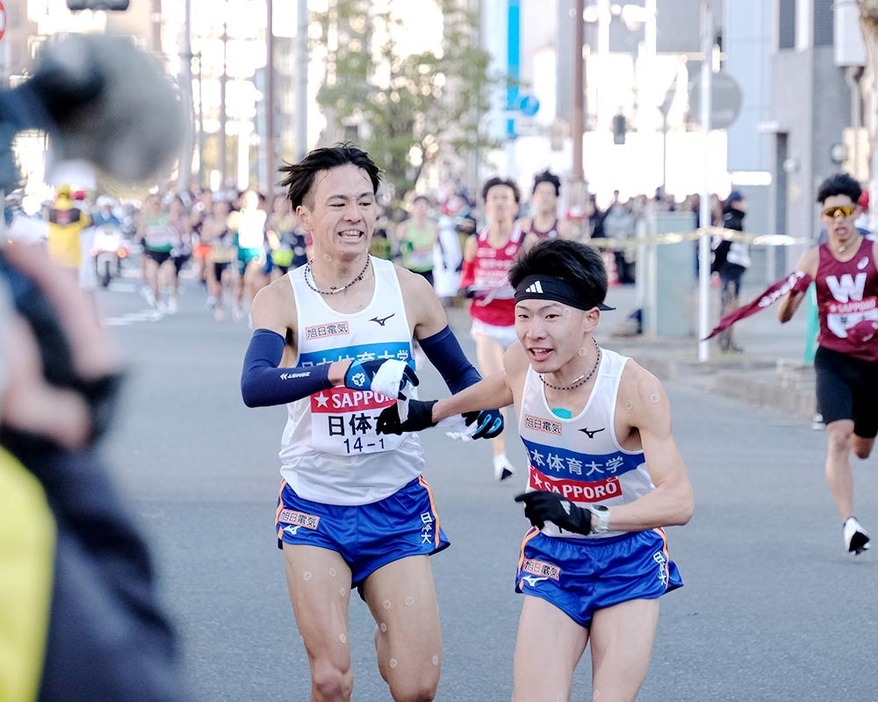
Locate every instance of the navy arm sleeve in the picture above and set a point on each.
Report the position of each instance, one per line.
(444, 352)
(264, 384)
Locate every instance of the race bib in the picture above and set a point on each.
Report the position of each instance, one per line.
(841, 316)
(343, 422)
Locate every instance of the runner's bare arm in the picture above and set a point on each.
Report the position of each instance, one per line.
(644, 411)
(490, 393)
(791, 301)
(530, 240)
(565, 230)
(497, 390)
(423, 309)
(470, 248)
(274, 308)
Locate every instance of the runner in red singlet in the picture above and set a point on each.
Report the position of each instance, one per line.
(487, 258)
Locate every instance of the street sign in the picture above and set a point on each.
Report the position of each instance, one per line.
(528, 105)
(2, 19)
(725, 100)
(525, 126)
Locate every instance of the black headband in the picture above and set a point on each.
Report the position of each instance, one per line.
(547, 287)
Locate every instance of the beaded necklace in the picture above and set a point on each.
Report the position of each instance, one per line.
(582, 379)
(332, 290)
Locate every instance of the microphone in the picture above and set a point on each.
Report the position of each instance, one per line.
(101, 100)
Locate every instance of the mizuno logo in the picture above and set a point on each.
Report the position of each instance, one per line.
(591, 432)
(532, 580)
(382, 320)
(535, 287)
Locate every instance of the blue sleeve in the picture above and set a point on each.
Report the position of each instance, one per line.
(445, 353)
(264, 384)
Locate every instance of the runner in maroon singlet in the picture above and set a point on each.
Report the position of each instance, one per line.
(844, 270)
(544, 222)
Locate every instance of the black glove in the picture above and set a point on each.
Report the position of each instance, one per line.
(420, 417)
(541, 507)
(490, 423)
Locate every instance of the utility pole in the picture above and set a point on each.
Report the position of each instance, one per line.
(704, 211)
(184, 168)
(157, 29)
(201, 182)
(301, 80)
(221, 151)
(513, 71)
(269, 104)
(577, 116)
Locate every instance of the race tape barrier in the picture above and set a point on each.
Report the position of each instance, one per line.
(678, 237)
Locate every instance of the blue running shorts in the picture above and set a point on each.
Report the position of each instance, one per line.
(366, 536)
(582, 576)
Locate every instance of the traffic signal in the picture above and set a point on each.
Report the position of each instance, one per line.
(620, 127)
(109, 5)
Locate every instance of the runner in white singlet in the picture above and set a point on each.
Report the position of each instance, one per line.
(332, 341)
(605, 476)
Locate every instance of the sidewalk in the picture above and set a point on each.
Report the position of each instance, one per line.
(771, 370)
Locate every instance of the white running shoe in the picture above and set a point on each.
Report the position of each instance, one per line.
(856, 540)
(172, 306)
(503, 469)
(238, 313)
(817, 422)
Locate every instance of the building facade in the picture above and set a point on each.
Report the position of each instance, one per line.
(816, 59)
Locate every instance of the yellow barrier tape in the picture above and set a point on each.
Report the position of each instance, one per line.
(677, 237)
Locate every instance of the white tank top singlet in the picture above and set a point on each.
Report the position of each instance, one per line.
(580, 458)
(251, 229)
(330, 451)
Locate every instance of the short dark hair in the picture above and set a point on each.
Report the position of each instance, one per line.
(577, 263)
(508, 182)
(299, 178)
(839, 184)
(547, 177)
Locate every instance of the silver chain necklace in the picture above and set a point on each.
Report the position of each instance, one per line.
(582, 379)
(843, 247)
(332, 290)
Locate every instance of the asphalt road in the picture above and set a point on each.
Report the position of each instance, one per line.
(773, 607)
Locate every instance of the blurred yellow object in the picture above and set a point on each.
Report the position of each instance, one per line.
(27, 547)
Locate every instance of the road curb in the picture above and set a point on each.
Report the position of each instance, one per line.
(782, 384)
